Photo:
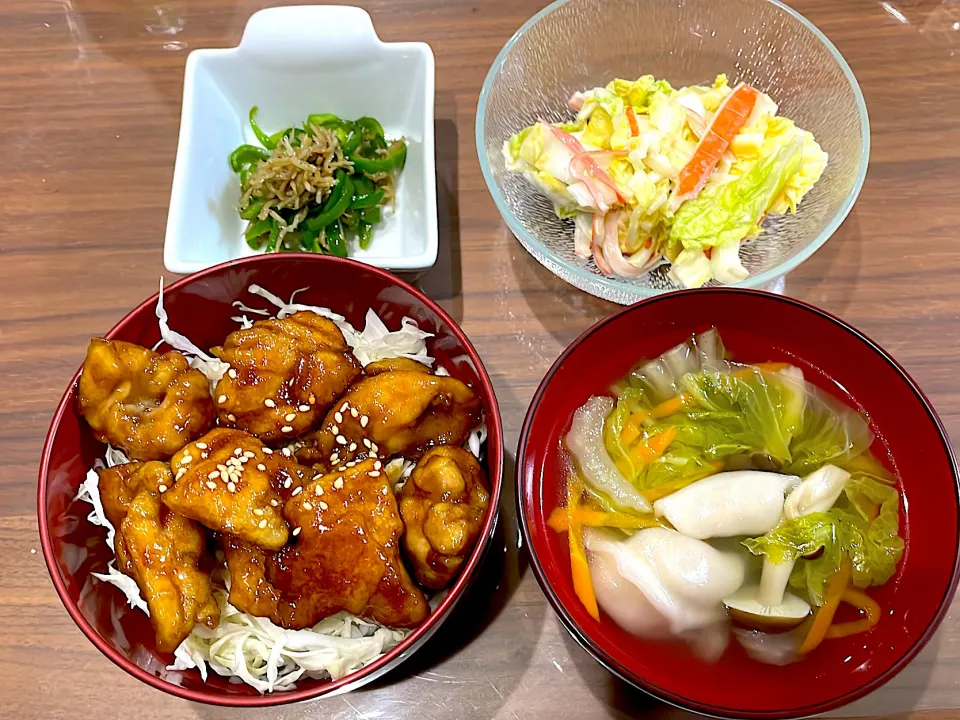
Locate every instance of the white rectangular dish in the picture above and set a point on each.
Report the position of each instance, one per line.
(291, 62)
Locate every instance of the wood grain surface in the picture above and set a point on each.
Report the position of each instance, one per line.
(89, 109)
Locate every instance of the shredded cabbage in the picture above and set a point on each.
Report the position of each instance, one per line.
(270, 658)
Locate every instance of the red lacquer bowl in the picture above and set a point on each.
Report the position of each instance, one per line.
(199, 306)
(755, 326)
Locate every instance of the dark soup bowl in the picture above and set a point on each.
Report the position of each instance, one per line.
(201, 307)
(909, 439)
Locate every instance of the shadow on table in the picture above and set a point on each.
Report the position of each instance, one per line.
(443, 282)
(830, 276)
(563, 310)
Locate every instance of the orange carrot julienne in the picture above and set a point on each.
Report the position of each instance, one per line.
(669, 407)
(862, 602)
(629, 434)
(824, 617)
(653, 447)
(726, 123)
(632, 119)
(579, 567)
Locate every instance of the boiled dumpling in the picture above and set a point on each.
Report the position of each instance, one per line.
(658, 582)
(745, 502)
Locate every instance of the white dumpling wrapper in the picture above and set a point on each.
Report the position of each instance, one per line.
(743, 502)
(659, 582)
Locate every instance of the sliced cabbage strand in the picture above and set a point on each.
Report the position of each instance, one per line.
(212, 368)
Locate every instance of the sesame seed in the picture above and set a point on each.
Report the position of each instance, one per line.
(353, 446)
(274, 502)
(286, 428)
(290, 417)
(186, 459)
(231, 486)
(212, 485)
(213, 475)
(285, 452)
(354, 412)
(366, 442)
(343, 408)
(341, 468)
(364, 420)
(351, 463)
(238, 451)
(312, 399)
(307, 506)
(373, 447)
(374, 473)
(222, 399)
(201, 446)
(204, 456)
(261, 467)
(323, 505)
(304, 408)
(318, 491)
(231, 417)
(377, 465)
(296, 492)
(338, 416)
(296, 531)
(341, 440)
(268, 451)
(232, 373)
(287, 483)
(257, 511)
(162, 488)
(180, 473)
(335, 430)
(262, 524)
(269, 403)
(334, 459)
(249, 454)
(338, 483)
(224, 475)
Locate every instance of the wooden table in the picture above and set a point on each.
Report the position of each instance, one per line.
(89, 109)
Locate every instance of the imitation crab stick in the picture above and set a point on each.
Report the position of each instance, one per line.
(584, 167)
(726, 123)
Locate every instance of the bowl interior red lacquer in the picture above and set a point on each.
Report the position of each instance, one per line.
(756, 327)
(200, 307)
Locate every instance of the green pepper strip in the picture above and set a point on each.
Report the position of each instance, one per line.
(335, 240)
(244, 174)
(257, 230)
(252, 210)
(350, 220)
(371, 216)
(366, 235)
(369, 200)
(394, 160)
(322, 120)
(274, 235)
(353, 142)
(336, 204)
(246, 155)
(308, 241)
(264, 139)
(278, 136)
(363, 185)
(372, 128)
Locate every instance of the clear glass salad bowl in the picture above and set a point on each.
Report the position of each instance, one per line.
(579, 44)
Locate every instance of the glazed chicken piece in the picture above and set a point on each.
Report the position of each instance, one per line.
(250, 592)
(148, 405)
(230, 482)
(442, 504)
(398, 412)
(163, 551)
(346, 556)
(390, 364)
(283, 376)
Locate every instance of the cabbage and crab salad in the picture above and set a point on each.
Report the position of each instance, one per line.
(707, 500)
(650, 174)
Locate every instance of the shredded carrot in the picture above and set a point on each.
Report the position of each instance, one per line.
(638, 417)
(632, 119)
(579, 568)
(865, 604)
(669, 407)
(653, 447)
(824, 617)
(629, 434)
(559, 520)
(771, 367)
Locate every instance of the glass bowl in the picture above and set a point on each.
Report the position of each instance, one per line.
(578, 44)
